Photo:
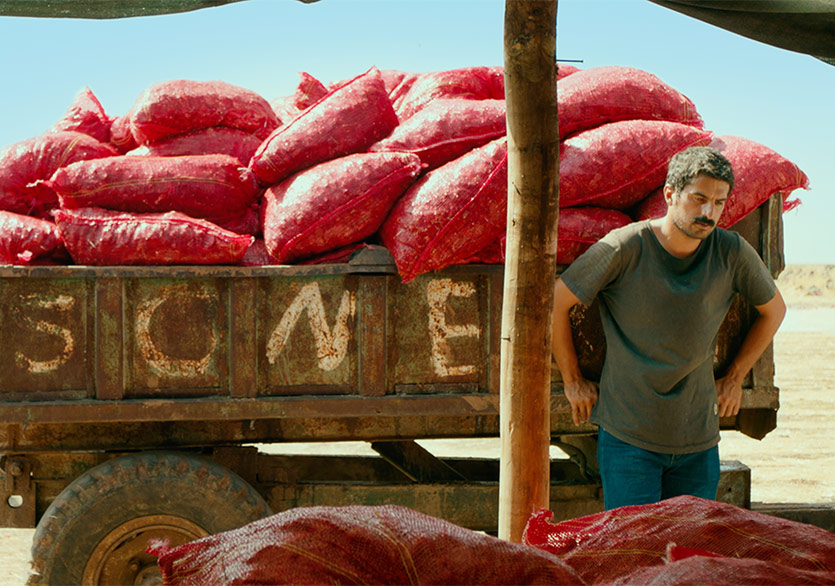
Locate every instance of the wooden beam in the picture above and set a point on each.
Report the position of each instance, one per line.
(530, 267)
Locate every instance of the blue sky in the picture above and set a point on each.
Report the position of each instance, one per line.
(740, 86)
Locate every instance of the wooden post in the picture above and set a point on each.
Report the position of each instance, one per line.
(533, 182)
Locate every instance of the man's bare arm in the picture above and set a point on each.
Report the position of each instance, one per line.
(729, 387)
(581, 393)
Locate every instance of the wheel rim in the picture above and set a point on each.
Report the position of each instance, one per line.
(120, 556)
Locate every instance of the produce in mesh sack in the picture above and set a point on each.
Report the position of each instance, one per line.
(618, 164)
(613, 544)
(652, 206)
(26, 166)
(470, 83)
(577, 229)
(758, 173)
(596, 96)
(86, 115)
(564, 70)
(24, 239)
(334, 204)
(450, 213)
(349, 119)
(121, 136)
(94, 236)
(723, 571)
(309, 91)
(356, 544)
(179, 106)
(218, 140)
(446, 129)
(212, 187)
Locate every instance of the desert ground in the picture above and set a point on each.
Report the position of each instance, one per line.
(792, 464)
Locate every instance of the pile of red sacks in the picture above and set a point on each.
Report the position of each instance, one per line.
(684, 540)
(211, 173)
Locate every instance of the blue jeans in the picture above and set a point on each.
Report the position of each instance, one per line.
(634, 476)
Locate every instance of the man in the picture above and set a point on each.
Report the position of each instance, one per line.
(664, 287)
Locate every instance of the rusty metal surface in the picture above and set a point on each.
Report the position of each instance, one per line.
(341, 351)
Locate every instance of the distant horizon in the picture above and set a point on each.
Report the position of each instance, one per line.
(740, 87)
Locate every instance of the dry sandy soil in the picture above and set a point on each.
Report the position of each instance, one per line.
(794, 463)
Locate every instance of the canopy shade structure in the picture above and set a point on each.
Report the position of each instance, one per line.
(105, 9)
(803, 26)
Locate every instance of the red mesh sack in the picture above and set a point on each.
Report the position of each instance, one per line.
(95, 236)
(564, 70)
(309, 91)
(759, 172)
(651, 207)
(721, 571)
(577, 229)
(599, 95)
(86, 115)
(347, 120)
(618, 164)
(179, 106)
(24, 239)
(446, 129)
(121, 135)
(356, 545)
(335, 203)
(613, 544)
(469, 83)
(451, 213)
(27, 165)
(212, 187)
(219, 140)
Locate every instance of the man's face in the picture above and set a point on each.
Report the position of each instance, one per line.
(696, 210)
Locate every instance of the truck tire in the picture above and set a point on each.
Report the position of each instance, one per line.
(97, 529)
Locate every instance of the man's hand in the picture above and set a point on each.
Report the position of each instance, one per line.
(728, 395)
(582, 394)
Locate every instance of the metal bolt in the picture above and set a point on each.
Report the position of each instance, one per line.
(15, 468)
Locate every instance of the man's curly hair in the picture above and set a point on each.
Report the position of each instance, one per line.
(685, 166)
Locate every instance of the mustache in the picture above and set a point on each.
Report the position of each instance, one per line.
(704, 220)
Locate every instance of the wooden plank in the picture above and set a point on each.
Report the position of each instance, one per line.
(109, 357)
(373, 324)
(533, 200)
(243, 361)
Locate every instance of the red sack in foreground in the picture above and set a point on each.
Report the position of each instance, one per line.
(179, 106)
(613, 544)
(100, 237)
(356, 545)
(24, 239)
(577, 229)
(596, 96)
(451, 213)
(212, 187)
(722, 571)
(446, 129)
(334, 203)
(469, 83)
(618, 164)
(349, 119)
(27, 165)
(86, 115)
(759, 172)
(219, 140)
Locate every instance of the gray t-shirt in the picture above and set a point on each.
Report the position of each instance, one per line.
(661, 315)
